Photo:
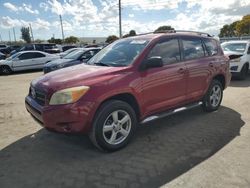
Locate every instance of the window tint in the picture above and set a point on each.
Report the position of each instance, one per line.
(168, 50)
(25, 56)
(37, 55)
(192, 48)
(211, 47)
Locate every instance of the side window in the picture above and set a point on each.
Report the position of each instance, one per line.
(25, 56)
(168, 50)
(211, 47)
(88, 54)
(37, 55)
(193, 48)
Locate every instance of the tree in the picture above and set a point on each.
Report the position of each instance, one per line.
(71, 39)
(25, 31)
(229, 30)
(56, 41)
(164, 28)
(243, 26)
(130, 34)
(111, 38)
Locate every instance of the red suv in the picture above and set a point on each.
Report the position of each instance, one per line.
(131, 81)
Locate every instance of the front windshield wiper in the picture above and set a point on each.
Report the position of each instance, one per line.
(102, 64)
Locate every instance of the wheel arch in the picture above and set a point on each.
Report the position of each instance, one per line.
(128, 98)
(221, 78)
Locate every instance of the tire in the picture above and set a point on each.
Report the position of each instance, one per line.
(213, 97)
(108, 132)
(5, 70)
(243, 73)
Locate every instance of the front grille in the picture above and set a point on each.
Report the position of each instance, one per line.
(38, 95)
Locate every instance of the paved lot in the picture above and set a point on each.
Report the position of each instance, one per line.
(190, 149)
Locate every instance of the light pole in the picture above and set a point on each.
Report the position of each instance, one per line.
(61, 27)
(120, 20)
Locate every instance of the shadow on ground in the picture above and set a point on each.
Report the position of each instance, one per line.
(161, 151)
(240, 83)
(23, 72)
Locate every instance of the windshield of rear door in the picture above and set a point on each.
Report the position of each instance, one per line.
(235, 47)
(120, 53)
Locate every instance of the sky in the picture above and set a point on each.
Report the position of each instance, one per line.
(99, 18)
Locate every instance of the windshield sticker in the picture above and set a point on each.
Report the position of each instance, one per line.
(138, 42)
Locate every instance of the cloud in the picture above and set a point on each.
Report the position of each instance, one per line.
(11, 7)
(23, 8)
(7, 22)
(131, 15)
(28, 8)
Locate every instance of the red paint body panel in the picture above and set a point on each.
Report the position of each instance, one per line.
(155, 90)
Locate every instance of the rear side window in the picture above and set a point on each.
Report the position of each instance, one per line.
(25, 56)
(168, 50)
(211, 47)
(192, 48)
(37, 55)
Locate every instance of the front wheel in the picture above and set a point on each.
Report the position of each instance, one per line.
(243, 72)
(114, 125)
(5, 70)
(213, 97)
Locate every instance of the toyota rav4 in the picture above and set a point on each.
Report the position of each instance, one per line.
(130, 82)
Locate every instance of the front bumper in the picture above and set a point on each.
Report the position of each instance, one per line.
(235, 67)
(70, 118)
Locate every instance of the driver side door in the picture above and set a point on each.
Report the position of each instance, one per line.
(165, 87)
(23, 62)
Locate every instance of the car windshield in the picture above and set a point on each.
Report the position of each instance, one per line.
(119, 53)
(74, 55)
(235, 47)
(70, 50)
(13, 56)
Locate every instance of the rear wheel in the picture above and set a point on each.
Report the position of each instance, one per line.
(114, 125)
(213, 97)
(243, 72)
(5, 70)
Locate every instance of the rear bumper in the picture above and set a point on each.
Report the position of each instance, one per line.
(70, 118)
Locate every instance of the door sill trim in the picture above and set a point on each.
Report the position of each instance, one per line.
(170, 112)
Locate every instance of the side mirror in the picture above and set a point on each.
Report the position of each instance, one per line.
(154, 62)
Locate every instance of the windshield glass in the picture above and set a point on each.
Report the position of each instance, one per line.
(74, 55)
(119, 53)
(13, 56)
(235, 47)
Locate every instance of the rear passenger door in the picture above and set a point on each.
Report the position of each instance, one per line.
(198, 67)
(164, 87)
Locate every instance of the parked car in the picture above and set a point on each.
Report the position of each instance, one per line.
(133, 80)
(62, 54)
(239, 54)
(67, 47)
(25, 60)
(45, 47)
(74, 58)
(3, 46)
(2, 56)
(6, 51)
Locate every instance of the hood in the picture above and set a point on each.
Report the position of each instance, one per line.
(58, 62)
(76, 76)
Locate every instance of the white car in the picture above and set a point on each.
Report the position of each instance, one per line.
(26, 60)
(239, 54)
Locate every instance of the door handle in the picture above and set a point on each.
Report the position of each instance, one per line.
(211, 65)
(181, 70)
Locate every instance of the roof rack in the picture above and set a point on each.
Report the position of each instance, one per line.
(183, 31)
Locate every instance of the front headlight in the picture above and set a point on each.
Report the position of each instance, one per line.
(69, 95)
(235, 60)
